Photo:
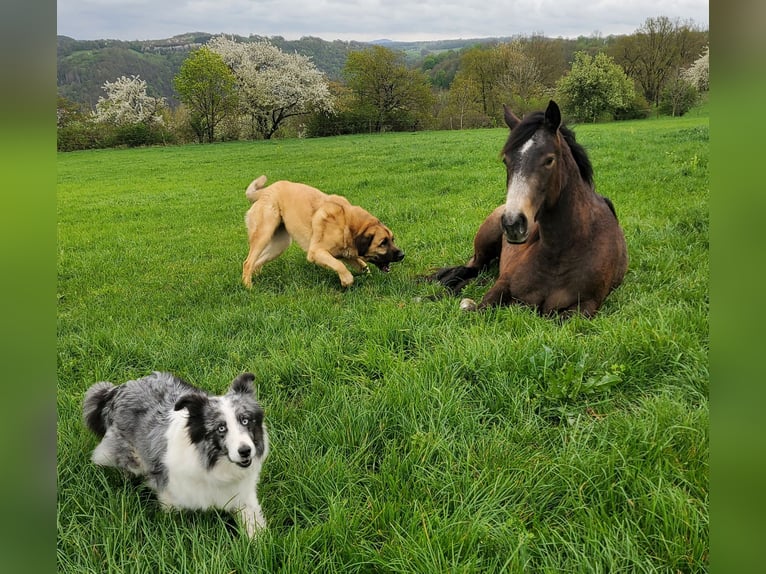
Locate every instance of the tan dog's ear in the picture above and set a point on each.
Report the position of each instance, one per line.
(362, 243)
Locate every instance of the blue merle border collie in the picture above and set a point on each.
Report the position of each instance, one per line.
(195, 450)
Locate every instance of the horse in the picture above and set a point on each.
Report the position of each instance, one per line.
(560, 247)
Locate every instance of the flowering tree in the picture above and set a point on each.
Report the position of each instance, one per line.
(698, 74)
(127, 102)
(272, 85)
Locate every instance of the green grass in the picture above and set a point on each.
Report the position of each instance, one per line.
(406, 436)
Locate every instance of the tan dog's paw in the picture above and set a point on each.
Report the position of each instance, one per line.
(346, 280)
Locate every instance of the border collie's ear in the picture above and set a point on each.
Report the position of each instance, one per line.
(552, 116)
(362, 243)
(193, 402)
(243, 384)
(510, 118)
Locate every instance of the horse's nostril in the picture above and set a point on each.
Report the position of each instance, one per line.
(515, 227)
(517, 221)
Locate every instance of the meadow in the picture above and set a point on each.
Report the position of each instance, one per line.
(407, 436)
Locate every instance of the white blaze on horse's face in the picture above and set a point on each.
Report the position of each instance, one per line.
(519, 191)
(520, 202)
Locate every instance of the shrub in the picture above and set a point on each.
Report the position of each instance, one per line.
(84, 134)
(678, 97)
(636, 109)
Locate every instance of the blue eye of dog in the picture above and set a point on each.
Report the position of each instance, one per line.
(222, 428)
(244, 421)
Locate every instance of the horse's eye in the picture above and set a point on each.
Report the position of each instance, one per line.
(549, 161)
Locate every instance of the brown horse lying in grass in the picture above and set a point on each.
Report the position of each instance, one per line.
(560, 246)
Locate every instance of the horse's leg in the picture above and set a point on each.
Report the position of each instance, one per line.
(487, 244)
(585, 308)
(499, 295)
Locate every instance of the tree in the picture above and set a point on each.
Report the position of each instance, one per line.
(480, 65)
(698, 74)
(273, 85)
(595, 86)
(389, 94)
(127, 102)
(68, 111)
(519, 79)
(655, 53)
(207, 86)
(549, 57)
(462, 100)
(678, 97)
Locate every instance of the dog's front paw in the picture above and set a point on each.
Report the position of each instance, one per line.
(346, 282)
(253, 521)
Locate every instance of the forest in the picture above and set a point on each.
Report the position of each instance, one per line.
(375, 87)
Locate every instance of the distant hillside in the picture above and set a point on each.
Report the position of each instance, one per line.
(84, 65)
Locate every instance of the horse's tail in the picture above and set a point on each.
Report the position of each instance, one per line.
(252, 189)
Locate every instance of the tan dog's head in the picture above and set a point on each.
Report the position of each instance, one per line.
(375, 244)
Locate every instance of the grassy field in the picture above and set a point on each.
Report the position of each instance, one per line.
(406, 436)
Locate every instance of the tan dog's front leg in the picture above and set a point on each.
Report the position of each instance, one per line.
(324, 259)
(359, 264)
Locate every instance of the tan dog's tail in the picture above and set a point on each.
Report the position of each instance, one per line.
(252, 189)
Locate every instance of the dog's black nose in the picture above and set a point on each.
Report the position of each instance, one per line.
(244, 451)
(399, 256)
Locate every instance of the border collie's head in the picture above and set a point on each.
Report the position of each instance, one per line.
(229, 426)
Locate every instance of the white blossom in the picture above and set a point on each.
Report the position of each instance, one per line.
(273, 85)
(127, 102)
(698, 74)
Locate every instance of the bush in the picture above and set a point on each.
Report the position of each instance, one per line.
(342, 122)
(84, 134)
(78, 135)
(637, 109)
(678, 97)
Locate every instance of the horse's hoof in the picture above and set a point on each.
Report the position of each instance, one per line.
(467, 305)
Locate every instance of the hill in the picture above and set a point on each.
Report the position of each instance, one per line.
(84, 65)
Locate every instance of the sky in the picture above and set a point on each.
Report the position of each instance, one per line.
(366, 20)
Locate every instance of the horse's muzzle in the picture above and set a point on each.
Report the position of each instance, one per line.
(515, 227)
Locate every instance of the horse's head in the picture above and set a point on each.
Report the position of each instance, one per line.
(531, 156)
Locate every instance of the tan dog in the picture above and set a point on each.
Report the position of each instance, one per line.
(327, 227)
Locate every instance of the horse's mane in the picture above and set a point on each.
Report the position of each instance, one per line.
(531, 123)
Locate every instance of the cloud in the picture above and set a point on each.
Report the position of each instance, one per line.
(366, 19)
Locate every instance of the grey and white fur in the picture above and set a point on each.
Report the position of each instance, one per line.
(195, 450)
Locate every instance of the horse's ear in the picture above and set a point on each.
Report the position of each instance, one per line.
(553, 116)
(510, 118)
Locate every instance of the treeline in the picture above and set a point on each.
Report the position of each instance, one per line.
(84, 66)
(661, 68)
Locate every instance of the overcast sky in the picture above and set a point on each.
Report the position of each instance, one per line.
(366, 20)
